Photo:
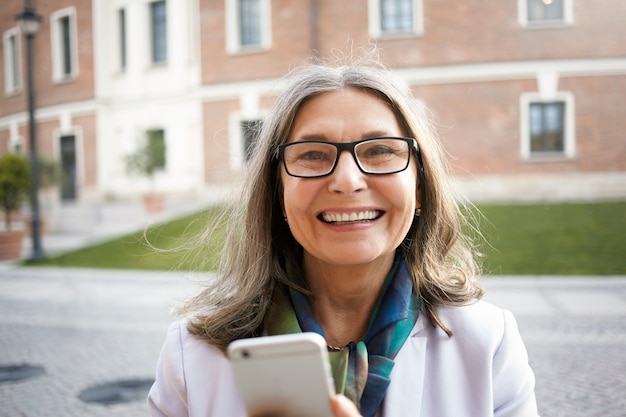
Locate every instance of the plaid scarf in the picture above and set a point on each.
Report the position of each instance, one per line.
(361, 370)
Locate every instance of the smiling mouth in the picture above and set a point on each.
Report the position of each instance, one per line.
(350, 218)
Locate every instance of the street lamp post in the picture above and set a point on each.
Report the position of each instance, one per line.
(30, 23)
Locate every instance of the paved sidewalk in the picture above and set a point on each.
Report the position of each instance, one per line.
(88, 327)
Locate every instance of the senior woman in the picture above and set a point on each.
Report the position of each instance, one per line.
(348, 229)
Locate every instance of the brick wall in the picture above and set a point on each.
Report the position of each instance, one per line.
(480, 125)
(290, 43)
(49, 92)
(474, 31)
(461, 32)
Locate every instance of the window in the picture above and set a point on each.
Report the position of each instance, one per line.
(69, 172)
(12, 75)
(547, 126)
(395, 17)
(250, 22)
(121, 23)
(158, 32)
(248, 25)
(156, 147)
(541, 13)
(64, 58)
(542, 10)
(249, 131)
(66, 46)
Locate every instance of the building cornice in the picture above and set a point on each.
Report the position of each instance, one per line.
(76, 108)
(499, 71)
(444, 74)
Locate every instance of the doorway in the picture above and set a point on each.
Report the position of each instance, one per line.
(68, 167)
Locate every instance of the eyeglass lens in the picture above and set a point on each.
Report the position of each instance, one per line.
(374, 156)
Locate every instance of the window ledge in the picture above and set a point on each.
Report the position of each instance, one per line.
(548, 157)
(399, 36)
(13, 93)
(249, 50)
(66, 79)
(153, 67)
(548, 24)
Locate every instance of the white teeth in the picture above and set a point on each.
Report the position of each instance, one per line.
(350, 217)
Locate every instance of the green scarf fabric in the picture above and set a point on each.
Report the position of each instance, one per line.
(361, 370)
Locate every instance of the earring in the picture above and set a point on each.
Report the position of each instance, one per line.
(285, 218)
(418, 211)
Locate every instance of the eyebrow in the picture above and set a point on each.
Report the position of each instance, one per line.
(316, 137)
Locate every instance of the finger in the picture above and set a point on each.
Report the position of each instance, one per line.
(343, 407)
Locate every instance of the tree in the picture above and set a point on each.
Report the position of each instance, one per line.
(15, 183)
(149, 156)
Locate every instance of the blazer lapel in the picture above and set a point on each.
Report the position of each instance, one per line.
(404, 395)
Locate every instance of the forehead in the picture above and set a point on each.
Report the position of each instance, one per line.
(346, 114)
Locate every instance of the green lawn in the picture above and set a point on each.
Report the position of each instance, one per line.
(568, 239)
(160, 247)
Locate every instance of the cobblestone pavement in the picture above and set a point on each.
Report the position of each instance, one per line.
(575, 333)
(87, 327)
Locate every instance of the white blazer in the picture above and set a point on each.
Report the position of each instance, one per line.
(482, 370)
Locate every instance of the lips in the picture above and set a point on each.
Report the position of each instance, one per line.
(350, 217)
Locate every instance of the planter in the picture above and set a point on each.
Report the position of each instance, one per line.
(11, 244)
(153, 202)
(28, 226)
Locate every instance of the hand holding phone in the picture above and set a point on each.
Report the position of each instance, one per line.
(285, 375)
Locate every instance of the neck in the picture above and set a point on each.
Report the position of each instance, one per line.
(344, 297)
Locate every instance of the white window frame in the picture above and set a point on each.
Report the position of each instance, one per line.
(16, 141)
(12, 80)
(568, 16)
(375, 21)
(569, 124)
(57, 51)
(233, 38)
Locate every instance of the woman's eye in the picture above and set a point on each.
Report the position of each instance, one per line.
(378, 151)
(313, 156)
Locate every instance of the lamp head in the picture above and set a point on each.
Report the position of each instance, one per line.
(29, 21)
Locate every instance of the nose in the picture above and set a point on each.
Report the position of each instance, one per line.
(347, 176)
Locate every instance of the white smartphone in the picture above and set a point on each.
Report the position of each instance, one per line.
(286, 375)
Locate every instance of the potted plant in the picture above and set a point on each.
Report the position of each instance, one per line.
(145, 161)
(49, 173)
(15, 182)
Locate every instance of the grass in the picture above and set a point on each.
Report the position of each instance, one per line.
(175, 245)
(566, 239)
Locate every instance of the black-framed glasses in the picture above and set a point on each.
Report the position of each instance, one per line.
(377, 156)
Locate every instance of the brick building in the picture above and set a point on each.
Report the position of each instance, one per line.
(529, 95)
